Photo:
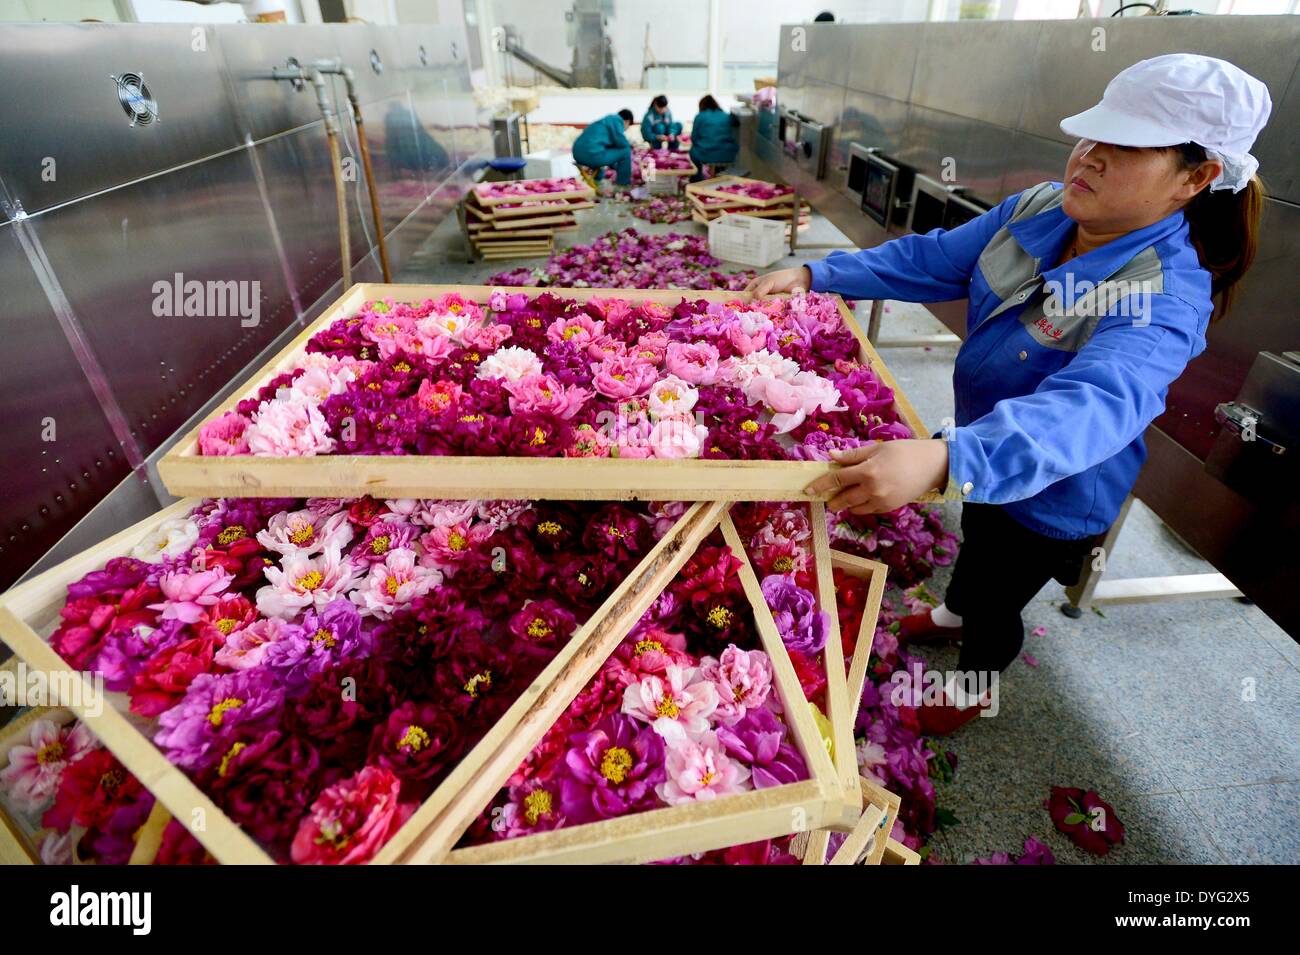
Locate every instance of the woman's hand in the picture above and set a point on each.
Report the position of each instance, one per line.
(783, 280)
(884, 475)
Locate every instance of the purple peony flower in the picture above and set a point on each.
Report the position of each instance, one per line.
(802, 625)
(194, 733)
(758, 738)
(317, 642)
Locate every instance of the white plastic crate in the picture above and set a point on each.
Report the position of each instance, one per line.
(747, 240)
(550, 164)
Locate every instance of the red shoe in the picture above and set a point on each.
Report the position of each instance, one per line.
(921, 628)
(946, 718)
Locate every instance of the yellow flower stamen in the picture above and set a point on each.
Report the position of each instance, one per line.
(231, 534)
(539, 628)
(415, 739)
(549, 528)
(303, 534)
(479, 681)
(536, 805)
(323, 638)
(230, 754)
(380, 544)
(720, 617)
(668, 707)
(50, 753)
(616, 764)
(218, 712)
(645, 646)
(310, 580)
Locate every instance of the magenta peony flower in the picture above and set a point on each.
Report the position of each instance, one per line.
(611, 770)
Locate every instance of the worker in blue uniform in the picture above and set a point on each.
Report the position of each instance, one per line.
(713, 136)
(1087, 298)
(604, 143)
(657, 126)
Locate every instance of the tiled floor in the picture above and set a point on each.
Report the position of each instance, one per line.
(1181, 715)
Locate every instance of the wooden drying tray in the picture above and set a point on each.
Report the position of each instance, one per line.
(693, 827)
(579, 192)
(187, 473)
(712, 187)
(566, 207)
(30, 612)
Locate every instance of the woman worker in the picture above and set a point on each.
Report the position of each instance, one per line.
(657, 126)
(1086, 299)
(713, 136)
(604, 143)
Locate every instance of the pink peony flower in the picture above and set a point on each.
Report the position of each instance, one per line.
(696, 362)
(580, 329)
(512, 364)
(679, 697)
(246, 647)
(672, 397)
(677, 437)
(546, 394)
(188, 593)
(698, 767)
(303, 581)
(393, 584)
(743, 679)
(32, 777)
(226, 435)
(288, 428)
(623, 377)
(747, 331)
(305, 532)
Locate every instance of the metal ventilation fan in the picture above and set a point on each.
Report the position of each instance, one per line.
(137, 102)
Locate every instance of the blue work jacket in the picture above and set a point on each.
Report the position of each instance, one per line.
(594, 143)
(1063, 367)
(713, 137)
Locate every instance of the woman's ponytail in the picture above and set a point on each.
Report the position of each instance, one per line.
(1224, 229)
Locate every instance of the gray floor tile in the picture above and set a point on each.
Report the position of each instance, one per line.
(1252, 824)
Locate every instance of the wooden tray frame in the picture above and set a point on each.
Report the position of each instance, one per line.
(29, 610)
(15, 848)
(696, 827)
(570, 206)
(586, 192)
(813, 851)
(188, 474)
(898, 854)
(712, 187)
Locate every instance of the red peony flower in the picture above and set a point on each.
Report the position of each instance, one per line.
(350, 821)
(165, 678)
(92, 789)
(1086, 818)
(88, 620)
(417, 741)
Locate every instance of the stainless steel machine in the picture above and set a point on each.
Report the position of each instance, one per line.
(137, 159)
(934, 122)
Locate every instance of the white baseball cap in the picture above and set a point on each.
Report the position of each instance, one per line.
(1182, 98)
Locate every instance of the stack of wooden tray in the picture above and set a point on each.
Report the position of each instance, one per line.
(832, 797)
(504, 227)
(723, 195)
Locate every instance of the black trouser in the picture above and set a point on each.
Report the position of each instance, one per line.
(1001, 566)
